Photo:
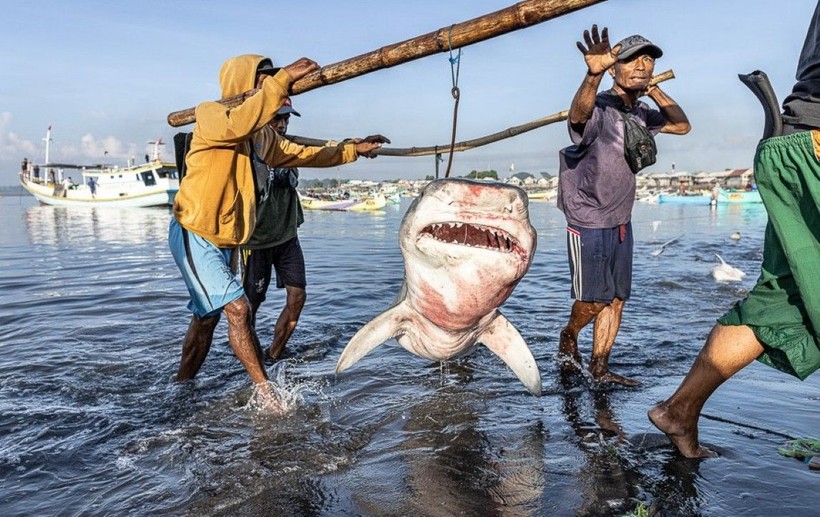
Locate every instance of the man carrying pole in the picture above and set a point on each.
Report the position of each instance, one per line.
(215, 208)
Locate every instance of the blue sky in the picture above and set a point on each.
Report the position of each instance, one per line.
(105, 74)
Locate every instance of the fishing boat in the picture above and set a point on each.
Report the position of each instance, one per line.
(393, 199)
(354, 204)
(541, 195)
(694, 199)
(739, 196)
(149, 184)
(153, 183)
(318, 203)
(376, 202)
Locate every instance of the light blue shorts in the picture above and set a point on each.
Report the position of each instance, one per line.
(206, 270)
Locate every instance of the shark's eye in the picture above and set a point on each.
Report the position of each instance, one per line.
(444, 197)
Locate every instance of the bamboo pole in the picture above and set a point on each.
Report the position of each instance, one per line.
(476, 142)
(521, 15)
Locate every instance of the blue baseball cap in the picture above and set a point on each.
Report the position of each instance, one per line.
(287, 108)
(636, 43)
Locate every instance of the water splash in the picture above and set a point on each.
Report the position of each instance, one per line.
(271, 399)
(281, 396)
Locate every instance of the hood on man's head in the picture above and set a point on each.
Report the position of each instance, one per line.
(238, 74)
(632, 45)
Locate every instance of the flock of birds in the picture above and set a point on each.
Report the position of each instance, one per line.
(722, 272)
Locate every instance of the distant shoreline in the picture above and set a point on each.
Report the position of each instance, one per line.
(13, 190)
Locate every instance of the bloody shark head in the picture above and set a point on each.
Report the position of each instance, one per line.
(466, 245)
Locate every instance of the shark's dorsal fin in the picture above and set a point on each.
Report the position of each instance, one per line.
(386, 325)
(506, 342)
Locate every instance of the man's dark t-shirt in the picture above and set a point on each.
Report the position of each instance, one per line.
(596, 187)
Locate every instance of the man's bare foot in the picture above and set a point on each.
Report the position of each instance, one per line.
(264, 389)
(269, 399)
(683, 435)
(568, 354)
(615, 378)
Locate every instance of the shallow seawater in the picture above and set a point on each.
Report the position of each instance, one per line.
(93, 314)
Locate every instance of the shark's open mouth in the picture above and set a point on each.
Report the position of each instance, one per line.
(477, 236)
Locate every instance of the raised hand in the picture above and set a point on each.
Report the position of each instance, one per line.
(597, 52)
(366, 146)
(301, 68)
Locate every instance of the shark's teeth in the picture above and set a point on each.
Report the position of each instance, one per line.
(485, 237)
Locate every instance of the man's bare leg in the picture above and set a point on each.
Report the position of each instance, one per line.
(605, 329)
(256, 343)
(728, 350)
(196, 345)
(240, 337)
(580, 316)
(287, 321)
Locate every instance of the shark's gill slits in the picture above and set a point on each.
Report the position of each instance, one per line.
(471, 235)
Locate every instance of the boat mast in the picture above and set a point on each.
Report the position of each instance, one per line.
(48, 143)
(158, 142)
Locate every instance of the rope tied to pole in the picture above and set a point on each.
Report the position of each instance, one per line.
(455, 66)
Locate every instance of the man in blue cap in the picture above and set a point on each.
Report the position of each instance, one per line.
(596, 188)
(275, 244)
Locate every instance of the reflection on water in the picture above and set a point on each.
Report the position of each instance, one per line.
(93, 313)
(606, 478)
(82, 225)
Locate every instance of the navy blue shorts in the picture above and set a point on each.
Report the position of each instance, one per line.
(288, 261)
(600, 262)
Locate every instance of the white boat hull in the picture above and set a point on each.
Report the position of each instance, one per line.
(115, 187)
(163, 198)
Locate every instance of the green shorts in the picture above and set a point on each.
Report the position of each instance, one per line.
(783, 308)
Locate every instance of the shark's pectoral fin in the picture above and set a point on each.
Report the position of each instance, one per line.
(505, 341)
(385, 326)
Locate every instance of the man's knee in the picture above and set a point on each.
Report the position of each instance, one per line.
(238, 311)
(207, 323)
(590, 307)
(297, 297)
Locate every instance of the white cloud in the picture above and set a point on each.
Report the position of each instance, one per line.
(88, 150)
(10, 142)
(109, 149)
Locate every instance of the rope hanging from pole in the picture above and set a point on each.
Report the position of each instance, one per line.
(455, 66)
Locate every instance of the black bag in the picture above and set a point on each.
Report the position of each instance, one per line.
(182, 144)
(286, 177)
(639, 144)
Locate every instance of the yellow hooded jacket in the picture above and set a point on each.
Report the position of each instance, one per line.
(217, 196)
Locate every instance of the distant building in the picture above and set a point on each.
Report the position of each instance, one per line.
(739, 178)
(522, 178)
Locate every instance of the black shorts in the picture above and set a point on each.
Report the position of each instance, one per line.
(288, 261)
(600, 262)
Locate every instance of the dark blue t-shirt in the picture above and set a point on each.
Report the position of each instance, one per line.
(596, 187)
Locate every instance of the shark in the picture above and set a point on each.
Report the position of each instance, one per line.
(466, 245)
